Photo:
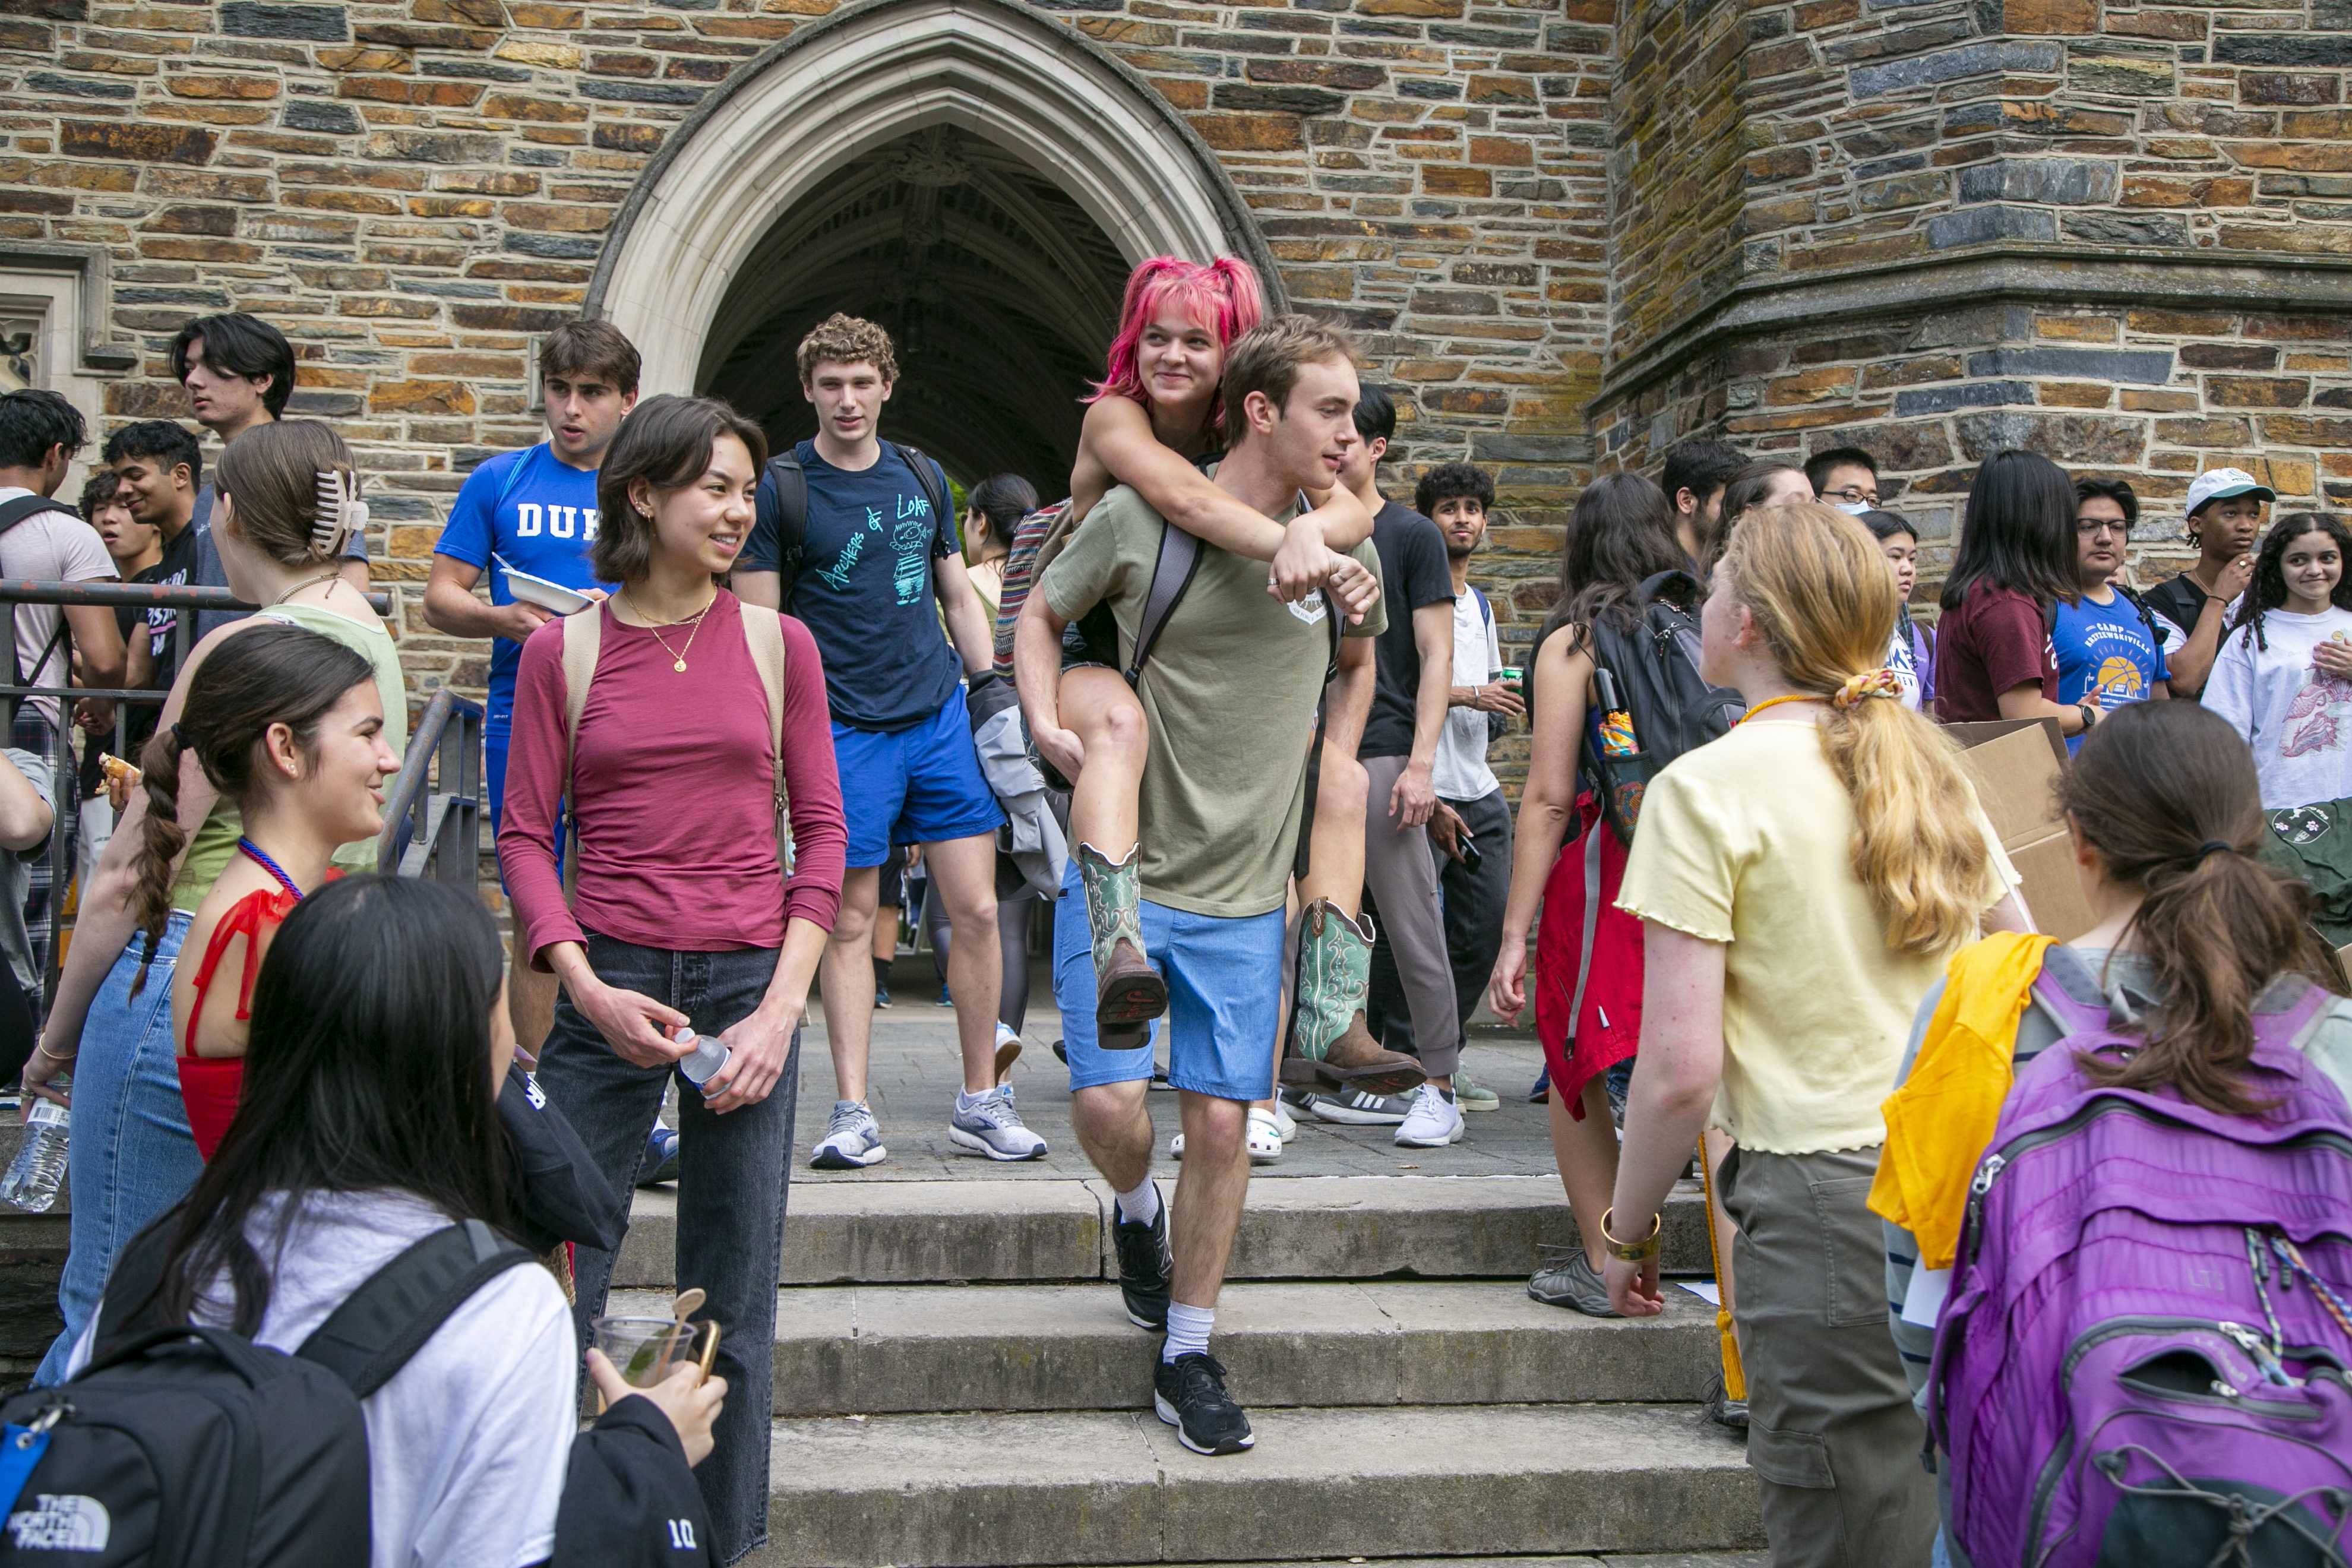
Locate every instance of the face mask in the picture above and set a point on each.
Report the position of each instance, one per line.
(1852, 508)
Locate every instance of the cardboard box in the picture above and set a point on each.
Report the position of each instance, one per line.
(2015, 764)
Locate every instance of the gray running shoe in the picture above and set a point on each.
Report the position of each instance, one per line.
(1724, 1410)
(1567, 1281)
(852, 1140)
(1359, 1107)
(991, 1127)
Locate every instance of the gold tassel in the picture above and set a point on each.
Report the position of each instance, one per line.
(1734, 1377)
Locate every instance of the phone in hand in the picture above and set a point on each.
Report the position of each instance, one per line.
(1468, 848)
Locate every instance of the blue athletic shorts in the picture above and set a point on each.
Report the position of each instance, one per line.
(1225, 998)
(917, 785)
(494, 790)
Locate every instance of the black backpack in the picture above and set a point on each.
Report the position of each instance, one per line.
(1653, 707)
(194, 1446)
(791, 483)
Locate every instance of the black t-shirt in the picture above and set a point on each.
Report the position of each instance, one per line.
(1413, 575)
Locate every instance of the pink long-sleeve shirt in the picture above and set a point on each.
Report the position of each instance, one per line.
(673, 789)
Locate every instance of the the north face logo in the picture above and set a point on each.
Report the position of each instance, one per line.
(68, 1523)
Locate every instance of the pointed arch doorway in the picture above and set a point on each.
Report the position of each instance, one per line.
(970, 174)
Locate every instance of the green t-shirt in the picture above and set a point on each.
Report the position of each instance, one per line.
(216, 841)
(1229, 694)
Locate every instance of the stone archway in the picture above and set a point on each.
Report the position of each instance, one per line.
(869, 75)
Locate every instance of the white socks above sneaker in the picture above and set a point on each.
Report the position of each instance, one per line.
(1140, 1206)
(1188, 1330)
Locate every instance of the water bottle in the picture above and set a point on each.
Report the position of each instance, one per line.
(708, 1058)
(39, 1168)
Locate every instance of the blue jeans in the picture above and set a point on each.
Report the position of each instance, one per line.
(131, 1157)
(730, 1193)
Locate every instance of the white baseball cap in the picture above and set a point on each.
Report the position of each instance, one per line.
(2219, 484)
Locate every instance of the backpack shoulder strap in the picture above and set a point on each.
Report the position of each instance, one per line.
(764, 634)
(1171, 575)
(791, 483)
(13, 513)
(582, 634)
(928, 475)
(2146, 616)
(388, 1318)
(128, 1310)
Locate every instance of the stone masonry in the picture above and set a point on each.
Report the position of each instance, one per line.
(1570, 231)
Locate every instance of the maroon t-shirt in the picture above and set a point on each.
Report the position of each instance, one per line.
(1994, 641)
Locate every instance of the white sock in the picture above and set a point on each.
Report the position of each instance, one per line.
(1188, 1330)
(966, 1101)
(1140, 1206)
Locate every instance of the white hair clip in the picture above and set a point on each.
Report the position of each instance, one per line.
(341, 512)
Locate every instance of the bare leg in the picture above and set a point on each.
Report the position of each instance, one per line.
(1114, 1130)
(531, 1004)
(846, 979)
(1335, 866)
(1209, 1189)
(1587, 1151)
(963, 875)
(1714, 1145)
(885, 934)
(1099, 708)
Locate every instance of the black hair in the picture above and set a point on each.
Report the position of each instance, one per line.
(1003, 500)
(1701, 466)
(163, 439)
(35, 421)
(1451, 482)
(1885, 525)
(2267, 592)
(668, 443)
(1818, 465)
(242, 345)
(368, 1070)
(2018, 533)
(98, 489)
(2116, 491)
(1375, 415)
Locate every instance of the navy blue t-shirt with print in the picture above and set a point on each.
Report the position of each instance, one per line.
(2107, 648)
(864, 587)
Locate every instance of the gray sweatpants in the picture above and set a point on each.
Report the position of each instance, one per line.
(1401, 878)
(1832, 1435)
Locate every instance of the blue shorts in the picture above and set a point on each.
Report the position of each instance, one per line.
(917, 785)
(494, 790)
(1225, 998)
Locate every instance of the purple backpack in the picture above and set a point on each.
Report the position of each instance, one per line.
(2144, 1360)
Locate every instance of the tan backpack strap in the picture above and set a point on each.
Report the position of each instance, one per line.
(764, 634)
(583, 633)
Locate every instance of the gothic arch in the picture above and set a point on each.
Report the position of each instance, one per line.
(878, 72)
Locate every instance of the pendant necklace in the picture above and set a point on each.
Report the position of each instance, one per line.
(695, 627)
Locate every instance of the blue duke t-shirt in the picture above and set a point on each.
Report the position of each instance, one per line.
(863, 587)
(540, 515)
(2107, 648)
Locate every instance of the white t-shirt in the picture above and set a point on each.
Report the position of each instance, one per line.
(2174, 638)
(2298, 720)
(49, 547)
(469, 1442)
(1461, 771)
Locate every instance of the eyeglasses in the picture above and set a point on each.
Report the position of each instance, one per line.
(2089, 526)
(1851, 495)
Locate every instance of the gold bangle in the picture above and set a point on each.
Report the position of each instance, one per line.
(1632, 1251)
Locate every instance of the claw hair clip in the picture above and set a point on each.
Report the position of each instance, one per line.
(341, 512)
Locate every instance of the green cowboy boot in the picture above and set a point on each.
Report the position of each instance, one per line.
(1335, 963)
(1128, 990)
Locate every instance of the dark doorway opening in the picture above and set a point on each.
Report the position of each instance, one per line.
(998, 289)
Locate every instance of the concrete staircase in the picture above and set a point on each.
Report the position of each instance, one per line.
(956, 1385)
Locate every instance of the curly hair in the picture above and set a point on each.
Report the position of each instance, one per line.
(2268, 590)
(847, 340)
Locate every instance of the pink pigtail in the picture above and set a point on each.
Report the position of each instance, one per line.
(1224, 296)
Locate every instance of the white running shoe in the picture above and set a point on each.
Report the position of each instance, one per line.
(991, 1127)
(852, 1140)
(1433, 1122)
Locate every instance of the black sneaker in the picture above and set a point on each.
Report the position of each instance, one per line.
(1189, 1394)
(1145, 1267)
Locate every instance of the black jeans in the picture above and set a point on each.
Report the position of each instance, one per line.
(730, 1193)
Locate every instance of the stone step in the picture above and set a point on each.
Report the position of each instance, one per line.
(1293, 1227)
(1103, 1487)
(886, 1349)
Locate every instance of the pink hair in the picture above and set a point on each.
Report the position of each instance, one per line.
(1223, 296)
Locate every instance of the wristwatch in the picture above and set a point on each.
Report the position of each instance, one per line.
(2090, 716)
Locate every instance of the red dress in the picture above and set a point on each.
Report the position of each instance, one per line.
(1607, 1028)
(209, 1085)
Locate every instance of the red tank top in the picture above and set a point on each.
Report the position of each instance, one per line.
(209, 1085)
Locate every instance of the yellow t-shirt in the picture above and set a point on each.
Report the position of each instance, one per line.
(1748, 841)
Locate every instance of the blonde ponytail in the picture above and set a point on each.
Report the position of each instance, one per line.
(1824, 598)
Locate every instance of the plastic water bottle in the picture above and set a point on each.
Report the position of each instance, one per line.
(39, 1168)
(708, 1058)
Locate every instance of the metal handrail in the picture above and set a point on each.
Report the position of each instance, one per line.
(438, 828)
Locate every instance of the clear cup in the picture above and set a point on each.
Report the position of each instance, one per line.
(643, 1349)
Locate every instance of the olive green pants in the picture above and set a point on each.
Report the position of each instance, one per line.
(1832, 1435)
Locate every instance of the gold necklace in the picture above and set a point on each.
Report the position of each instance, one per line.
(694, 626)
